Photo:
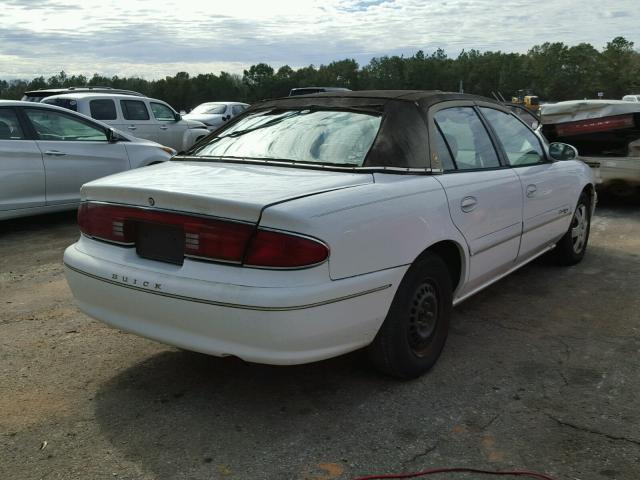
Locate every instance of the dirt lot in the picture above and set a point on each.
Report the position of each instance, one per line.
(541, 371)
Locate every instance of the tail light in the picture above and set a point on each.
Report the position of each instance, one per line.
(595, 125)
(273, 249)
(205, 238)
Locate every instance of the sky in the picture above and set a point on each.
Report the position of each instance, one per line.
(152, 39)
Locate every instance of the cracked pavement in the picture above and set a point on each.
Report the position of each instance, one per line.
(540, 372)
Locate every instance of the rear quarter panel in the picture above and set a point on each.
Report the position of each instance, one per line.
(372, 227)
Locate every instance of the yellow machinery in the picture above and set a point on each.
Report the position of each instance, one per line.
(532, 102)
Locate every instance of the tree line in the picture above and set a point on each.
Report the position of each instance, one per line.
(553, 71)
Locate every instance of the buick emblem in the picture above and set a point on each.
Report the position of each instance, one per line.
(152, 202)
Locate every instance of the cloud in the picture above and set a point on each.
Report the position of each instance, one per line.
(113, 36)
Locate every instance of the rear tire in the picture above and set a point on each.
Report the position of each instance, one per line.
(415, 330)
(573, 245)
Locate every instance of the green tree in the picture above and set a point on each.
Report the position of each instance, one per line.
(620, 68)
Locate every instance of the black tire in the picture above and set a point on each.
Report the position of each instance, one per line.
(412, 336)
(573, 245)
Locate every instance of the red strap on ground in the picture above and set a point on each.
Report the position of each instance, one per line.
(513, 473)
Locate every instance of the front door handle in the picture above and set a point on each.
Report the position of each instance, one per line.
(55, 153)
(164, 127)
(531, 190)
(132, 127)
(468, 204)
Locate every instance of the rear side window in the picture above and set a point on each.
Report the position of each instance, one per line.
(68, 103)
(520, 144)
(162, 112)
(134, 110)
(443, 152)
(103, 109)
(468, 140)
(237, 110)
(10, 128)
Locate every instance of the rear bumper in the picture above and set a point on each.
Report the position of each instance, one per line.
(265, 324)
(617, 169)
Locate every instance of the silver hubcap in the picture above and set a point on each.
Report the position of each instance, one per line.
(579, 226)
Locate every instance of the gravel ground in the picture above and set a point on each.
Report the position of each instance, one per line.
(541, 371)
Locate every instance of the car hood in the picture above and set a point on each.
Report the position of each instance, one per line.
(226, 190)
(137, 140)
(203, 117)
(191, 123)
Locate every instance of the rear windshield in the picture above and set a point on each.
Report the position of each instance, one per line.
(332, 137)
(305, 91)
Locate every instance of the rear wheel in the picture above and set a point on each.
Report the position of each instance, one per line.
(573, 245)
(415, 330)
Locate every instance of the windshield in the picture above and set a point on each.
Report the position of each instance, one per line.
(333, 137)
(210, 108)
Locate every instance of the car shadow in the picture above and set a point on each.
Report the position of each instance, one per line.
(207, 413)
(35, 223)
(609, 199)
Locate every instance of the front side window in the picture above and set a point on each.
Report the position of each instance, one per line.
(525, 115)
(103, 109)
(10, 128)
(467, 138)
(134, 110)
(333, 137)
(50, 125)
(162, 112)
(520, 144)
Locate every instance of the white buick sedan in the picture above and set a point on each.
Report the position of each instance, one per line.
(312, 226)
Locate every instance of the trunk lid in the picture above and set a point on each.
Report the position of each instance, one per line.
(227, 190)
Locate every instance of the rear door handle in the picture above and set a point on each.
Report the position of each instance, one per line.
(132, 127)
(531, 190)
(468, 204)
(164, 127)
(55, 153)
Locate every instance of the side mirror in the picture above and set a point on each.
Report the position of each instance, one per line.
(562, 151)
(177, 117)
(112, 136)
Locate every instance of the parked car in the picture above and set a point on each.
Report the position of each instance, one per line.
(47, 153)
(604, 131)
(214, 114)
(313, 226)
(141, 116)
(631, 98)
(39, 95)
(310, 90)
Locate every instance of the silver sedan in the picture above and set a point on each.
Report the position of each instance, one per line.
(47, 153)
